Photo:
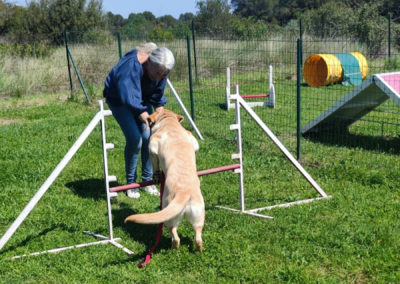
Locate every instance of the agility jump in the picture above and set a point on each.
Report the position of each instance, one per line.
(98, 118)
(269, 98)
(237, 168)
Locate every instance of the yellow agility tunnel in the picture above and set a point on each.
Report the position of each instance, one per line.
(325, 69)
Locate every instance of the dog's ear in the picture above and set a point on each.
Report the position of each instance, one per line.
(180, 118)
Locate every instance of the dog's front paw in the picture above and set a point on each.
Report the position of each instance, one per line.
(199, 246)
(175, 244)
(157, 177)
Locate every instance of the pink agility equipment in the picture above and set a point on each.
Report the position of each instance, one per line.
(270, 102)
(364, 98)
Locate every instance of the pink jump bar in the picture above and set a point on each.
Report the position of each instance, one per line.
(199, 173)
(255, 96)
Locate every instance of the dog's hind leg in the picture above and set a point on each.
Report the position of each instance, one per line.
(196, 217)
(197, 238)
(156, 168)
(175, 238)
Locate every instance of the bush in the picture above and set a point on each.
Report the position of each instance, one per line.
(392, 64)
(330, 20)
(369, 27)
(39, 49)
(159, 34)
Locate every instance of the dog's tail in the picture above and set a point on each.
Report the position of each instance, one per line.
(175, 207)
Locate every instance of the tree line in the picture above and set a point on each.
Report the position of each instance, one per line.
(45, 20)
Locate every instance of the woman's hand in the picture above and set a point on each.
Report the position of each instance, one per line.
(143, 116)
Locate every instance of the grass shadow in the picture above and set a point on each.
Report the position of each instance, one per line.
(371, 143)
(32, 237)
(222, 106)
(88, 188)
(143, 234)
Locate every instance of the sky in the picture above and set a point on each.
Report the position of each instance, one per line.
(158, 7)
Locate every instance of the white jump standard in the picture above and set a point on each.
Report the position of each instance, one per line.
(239, 102)
(270, 97)
(98, 118)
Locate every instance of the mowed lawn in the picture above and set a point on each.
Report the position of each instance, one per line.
(354, 237)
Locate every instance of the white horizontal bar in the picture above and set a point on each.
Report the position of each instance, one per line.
(112, 178)
(254, 104)
(109, 146)
(98, 236)
(113, 194)
(284, 205)
(107, 112)
(128, 251)
(236, 156)
(237, 171)
(246, 212)
(234, 127)
(258, 215)
(57, 250)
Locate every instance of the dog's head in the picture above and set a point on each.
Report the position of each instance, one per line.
(160, 115)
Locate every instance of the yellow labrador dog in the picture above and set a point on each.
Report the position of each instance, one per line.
(172, 149)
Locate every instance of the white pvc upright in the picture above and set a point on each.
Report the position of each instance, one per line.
(184, 109)
(271, 99)
(239, 154)
(107, 177)
(228, 88)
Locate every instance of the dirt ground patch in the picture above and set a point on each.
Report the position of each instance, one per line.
(5, 121)
(34, 100)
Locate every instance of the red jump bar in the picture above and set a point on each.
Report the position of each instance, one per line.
(255, 96)
(150, 182)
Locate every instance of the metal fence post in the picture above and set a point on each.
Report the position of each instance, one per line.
(194, 51)
(119, 45)
(190, 78)
(299, 64)
(79, 76)
(389, 34)
(301, 37)
(69, 64)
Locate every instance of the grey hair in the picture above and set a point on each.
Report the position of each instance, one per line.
(162, 56)
(146, 47)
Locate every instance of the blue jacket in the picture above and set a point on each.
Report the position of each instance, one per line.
(127, 84)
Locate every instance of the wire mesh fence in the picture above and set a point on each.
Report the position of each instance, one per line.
(94, 54)
(380, 120)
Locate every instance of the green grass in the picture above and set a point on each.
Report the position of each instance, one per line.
(352, 238)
